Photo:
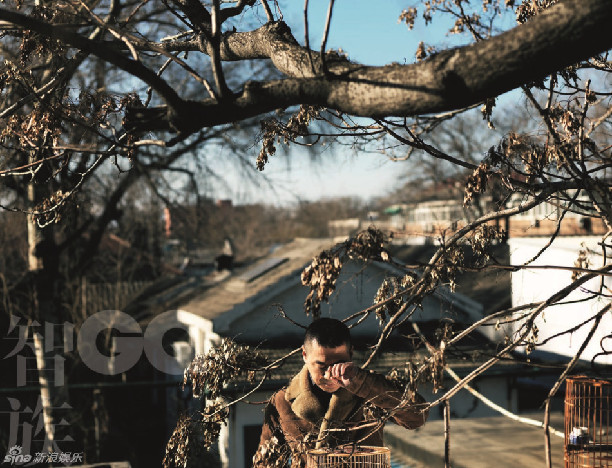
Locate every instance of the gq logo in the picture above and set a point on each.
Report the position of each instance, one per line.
(129, 344)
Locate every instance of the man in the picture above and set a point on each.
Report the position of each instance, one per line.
(330, 402)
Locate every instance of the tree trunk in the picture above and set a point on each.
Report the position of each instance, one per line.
(44, 271)
(35, 266)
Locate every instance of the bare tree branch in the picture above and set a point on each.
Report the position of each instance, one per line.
(449, 80)
(93, 47)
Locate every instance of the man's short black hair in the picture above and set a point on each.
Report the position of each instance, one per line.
(328, 332)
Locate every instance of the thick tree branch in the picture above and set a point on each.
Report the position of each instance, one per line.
(566, 33)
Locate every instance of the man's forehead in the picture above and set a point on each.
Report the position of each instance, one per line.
(324, 353)
(314, 343)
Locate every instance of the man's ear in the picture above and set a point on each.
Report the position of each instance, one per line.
(304, 353)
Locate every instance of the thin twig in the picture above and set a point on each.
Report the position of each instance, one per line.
(420, 144)
(217, 68)
(447, 434)
(115, 33)
(11, 171)
(150, 89)
(129, 40)
(135, 10)
(330, 9)
(307, 37)
(559, 295)
(555, 234)
(161, 143)
(281, 310)
(38, 93)
(499, 409)
(266, 8)
(238, 400)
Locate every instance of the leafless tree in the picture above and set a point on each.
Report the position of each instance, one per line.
(556, 57)
(66, 166)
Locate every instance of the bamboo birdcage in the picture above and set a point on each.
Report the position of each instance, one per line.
(588, 413)
(349, 456)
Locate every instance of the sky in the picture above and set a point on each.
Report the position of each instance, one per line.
(369, 32)
(292, 176)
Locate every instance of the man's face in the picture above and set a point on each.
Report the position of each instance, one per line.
(318, 358)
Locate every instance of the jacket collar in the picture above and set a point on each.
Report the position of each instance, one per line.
(306, 405)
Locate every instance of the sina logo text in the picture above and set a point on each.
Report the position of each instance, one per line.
(14, 456)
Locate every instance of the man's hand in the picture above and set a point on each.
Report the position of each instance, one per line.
(342, 373)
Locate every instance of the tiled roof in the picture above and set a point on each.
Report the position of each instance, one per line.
(217, 293)
(239, 287)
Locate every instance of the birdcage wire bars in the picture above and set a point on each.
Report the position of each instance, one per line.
(588, 442)
(349, 457)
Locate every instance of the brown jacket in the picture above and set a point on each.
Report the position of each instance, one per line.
(295, 419)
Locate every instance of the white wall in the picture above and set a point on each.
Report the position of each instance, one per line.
(242, 414)
(532, 285)
(354, 292)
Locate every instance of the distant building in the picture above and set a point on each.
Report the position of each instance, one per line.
(538, 284)
(421, 222)
(544, 219)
